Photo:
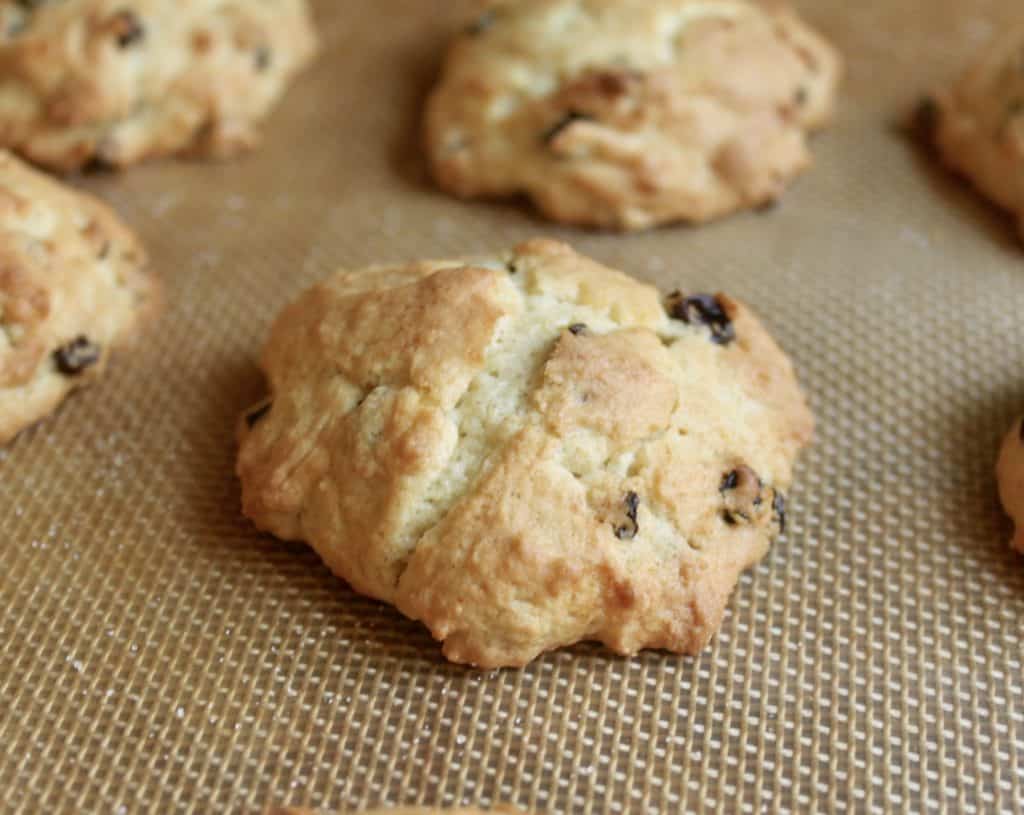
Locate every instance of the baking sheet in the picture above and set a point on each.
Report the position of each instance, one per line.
(158, 655)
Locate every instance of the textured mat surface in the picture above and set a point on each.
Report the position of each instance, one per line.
(158, 655)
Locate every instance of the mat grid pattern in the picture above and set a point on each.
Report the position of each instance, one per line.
(158, 655)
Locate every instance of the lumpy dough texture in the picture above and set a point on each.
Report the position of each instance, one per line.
(979, 129)
(71, 287)
(526, 450)
(118, 81)
(630, 113)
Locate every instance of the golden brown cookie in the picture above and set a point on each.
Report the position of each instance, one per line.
(630, 113)
(1010, 475)
(526, 450)
(118, 81)
(979, 123)
(71, 287)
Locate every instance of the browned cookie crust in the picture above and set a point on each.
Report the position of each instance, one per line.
(630, 113)
(118, 81)
(71, 286)
(526, 450)
(979, 123)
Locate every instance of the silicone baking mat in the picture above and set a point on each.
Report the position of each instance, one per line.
(157, 655)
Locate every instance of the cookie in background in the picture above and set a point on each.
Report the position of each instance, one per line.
(1010, 475)
(117, 82)
(499, 810)
(72, 286)
(627, 114)
(977, 124)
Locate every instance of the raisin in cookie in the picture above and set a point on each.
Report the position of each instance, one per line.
(526, 450)
(1010, 475)
(630, 113)
(978, 124)
(71, 286)
(118, 81)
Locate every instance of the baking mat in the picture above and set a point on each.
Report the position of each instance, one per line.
(158, 655)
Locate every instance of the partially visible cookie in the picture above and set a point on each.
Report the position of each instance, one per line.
(71, 287)
(526, 450)
(501, 810)
(1010, 475)
(978, 124)
(118, 81)
(630, 113)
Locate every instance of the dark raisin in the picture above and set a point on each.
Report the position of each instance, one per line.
(129, 29)
(628, 530)
(926, 118)
(76, 356)
(566, 121)
(104, 252)
(97, 165)
(253, 416)
(703, 309)
(779, 508)
(511, 266)
(611, 84)
(482, 24)
(578, 328)
(741, 489)
(801, 96)
(263, 57)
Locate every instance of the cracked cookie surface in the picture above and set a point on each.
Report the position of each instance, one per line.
(71, 287)
(527, 450)
(119, 81)
(978, 126)
(627, 114)
(1010, 475)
